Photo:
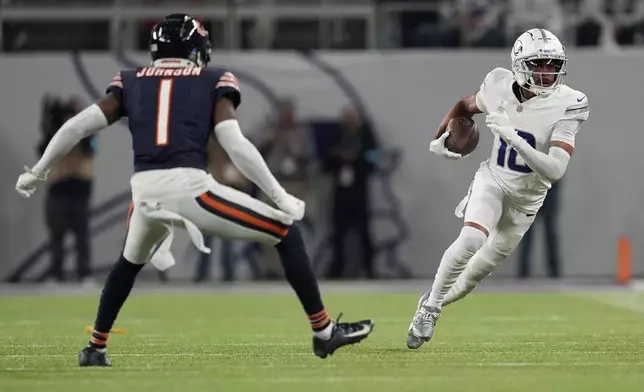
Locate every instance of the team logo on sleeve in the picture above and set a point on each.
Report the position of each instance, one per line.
(228, 80)
(117, 81)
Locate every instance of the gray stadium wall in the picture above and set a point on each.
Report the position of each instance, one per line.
(407, 94)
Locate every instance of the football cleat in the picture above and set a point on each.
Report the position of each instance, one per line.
(90, 356)
(343, 334)
(422, 326)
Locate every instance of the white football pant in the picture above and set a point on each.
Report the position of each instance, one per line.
(196, 197)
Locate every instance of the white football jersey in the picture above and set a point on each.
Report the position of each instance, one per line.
(539, 121)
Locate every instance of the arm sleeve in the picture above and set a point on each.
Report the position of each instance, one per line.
(246, 157)
(82, 125)
(553, 165)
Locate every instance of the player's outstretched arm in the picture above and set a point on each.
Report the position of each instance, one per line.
(86, 123)
(249, 161)
(465, 107)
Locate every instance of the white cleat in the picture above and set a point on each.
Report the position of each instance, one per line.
(422, 326)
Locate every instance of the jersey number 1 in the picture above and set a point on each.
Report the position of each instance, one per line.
(163, 111)
(512, 159)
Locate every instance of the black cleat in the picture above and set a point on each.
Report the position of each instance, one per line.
(343, 334)
(90, 356)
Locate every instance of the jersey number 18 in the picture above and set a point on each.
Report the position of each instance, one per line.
(512, 159)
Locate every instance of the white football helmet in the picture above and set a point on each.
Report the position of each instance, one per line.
(531, 47)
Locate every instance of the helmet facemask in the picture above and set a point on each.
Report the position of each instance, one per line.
(541, 74)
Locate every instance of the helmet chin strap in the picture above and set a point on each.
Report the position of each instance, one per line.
(521, 88)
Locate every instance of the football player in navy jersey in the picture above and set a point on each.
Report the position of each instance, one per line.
(172, 107)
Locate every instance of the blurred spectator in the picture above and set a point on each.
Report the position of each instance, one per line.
(474, 23)
(351, 160)
(591, 22)
(593, 27)
(69, 191)
(638, 38)
(479, 22)
(528, 14)
(224, 172)
(628, 19)
(547, 215)
(425, 29)
(287, 149)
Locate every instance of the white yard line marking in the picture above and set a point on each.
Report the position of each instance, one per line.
(628, 301)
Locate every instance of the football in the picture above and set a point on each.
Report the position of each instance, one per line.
(463, 135)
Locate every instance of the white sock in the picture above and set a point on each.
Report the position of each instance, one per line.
(453, 262)
(325, 334)
(479, 267)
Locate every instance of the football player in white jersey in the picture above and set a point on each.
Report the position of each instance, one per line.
(534, 117)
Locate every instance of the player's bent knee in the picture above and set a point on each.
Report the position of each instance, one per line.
(503, 244)
(471, 239)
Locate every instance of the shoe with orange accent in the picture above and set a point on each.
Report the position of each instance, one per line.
(343, 334)
(90, 356)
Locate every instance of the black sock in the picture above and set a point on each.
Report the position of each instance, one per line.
(117, 287)
(299, 273)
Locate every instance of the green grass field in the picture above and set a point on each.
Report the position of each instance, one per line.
(207, 342)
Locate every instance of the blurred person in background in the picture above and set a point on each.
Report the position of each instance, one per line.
(69, 192)
(594, 27)
(287, 151)
(527, 14)
(548, 215)
(627, 17)
(474, 23)
(591, 23)
(479, 22)
(225, 173)
(351, 161)
(286, 147)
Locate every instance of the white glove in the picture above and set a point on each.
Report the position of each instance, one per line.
(28, 181)
(500, 125)
(289, 204)
(437, 146)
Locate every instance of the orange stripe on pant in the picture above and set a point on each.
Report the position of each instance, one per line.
(129, 216)
(241, 215)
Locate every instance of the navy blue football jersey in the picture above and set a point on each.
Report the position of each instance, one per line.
(170, 112)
